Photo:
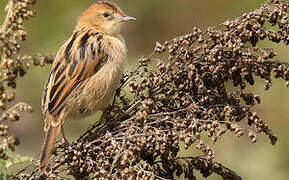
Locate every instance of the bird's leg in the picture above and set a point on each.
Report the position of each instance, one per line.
(66, 142)
(102, 117)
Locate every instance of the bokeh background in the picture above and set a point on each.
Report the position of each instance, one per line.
(157, 20)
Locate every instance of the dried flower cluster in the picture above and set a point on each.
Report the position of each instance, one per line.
(13, 65)
(178, 100)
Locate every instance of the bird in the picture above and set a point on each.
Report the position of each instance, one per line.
(85, 73)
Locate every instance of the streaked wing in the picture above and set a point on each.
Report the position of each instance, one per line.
(78, 59)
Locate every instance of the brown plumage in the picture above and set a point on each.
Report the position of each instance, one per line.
(86, 71)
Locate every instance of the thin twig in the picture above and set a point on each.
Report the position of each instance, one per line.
(9, 14)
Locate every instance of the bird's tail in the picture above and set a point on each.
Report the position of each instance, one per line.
(48, 145)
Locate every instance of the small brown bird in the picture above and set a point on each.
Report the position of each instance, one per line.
(86, 71)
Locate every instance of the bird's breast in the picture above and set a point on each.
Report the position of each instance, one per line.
(115, 47)
(100, 89)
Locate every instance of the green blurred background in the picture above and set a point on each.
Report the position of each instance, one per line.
(156, 20)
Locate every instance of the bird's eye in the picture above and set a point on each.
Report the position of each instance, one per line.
(106, 15)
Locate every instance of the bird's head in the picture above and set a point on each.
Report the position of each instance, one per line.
(105, 16)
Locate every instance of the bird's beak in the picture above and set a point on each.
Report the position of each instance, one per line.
(127, 18)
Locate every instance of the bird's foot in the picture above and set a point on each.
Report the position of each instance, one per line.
(65, 142)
